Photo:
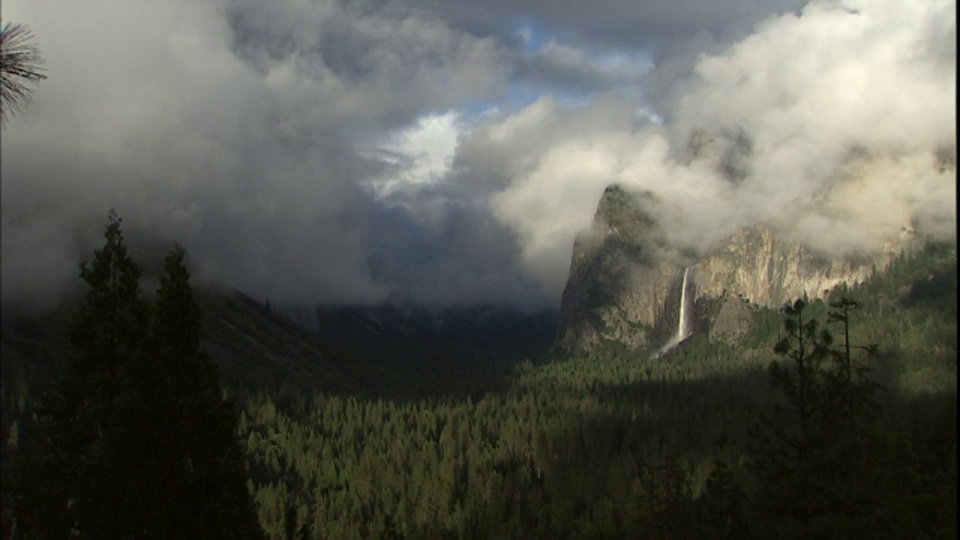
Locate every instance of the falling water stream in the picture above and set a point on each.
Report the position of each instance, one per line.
(683, 324)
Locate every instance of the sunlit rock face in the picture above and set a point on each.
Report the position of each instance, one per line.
(767, 271)
(625, 280)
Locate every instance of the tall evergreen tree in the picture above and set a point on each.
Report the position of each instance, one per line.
(787, 447)
(816, 467)
(196, 452)
(67, 479)
(849, 385)
(135, 439)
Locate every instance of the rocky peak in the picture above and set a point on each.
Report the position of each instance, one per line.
(618, 277)
(625, 287)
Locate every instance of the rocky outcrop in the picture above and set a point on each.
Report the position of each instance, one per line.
(624, 287)
(768, 271)
(733, 321)
(619, 281)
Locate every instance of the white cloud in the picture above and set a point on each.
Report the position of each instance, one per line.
(826, 123)
(147, 110)
(235, 127)
(419, 155)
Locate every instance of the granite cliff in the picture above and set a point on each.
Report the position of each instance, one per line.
(625, 280)
(620, 282)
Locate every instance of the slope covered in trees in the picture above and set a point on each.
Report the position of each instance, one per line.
(616, 445)
(465, 445)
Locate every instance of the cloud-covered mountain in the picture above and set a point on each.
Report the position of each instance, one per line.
(282, 143)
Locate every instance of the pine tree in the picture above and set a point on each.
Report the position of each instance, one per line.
(850, 387)
(66, 480)
(20, 66)
(198, 428)
(815, 467)
(786, 449)
(135, 439)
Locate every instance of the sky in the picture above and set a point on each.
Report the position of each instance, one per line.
(448, 153)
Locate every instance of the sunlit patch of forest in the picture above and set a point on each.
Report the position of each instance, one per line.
(850, 435)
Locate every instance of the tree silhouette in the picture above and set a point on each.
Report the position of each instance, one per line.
(20, 67)
(849, 382)
(66, 477)
(135, 439)
(813, 462)
(786, 447)
(195, 454)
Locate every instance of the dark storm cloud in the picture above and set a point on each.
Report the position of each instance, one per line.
(387, 63)
(153, 115)
(438, 251)
(233, 127)
(569, 70)
(625, 23)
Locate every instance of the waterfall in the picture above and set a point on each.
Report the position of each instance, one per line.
(683, 322)
(683, 325)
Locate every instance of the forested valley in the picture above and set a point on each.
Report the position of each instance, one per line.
(792, 432)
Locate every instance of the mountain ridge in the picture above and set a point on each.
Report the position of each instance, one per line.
(625, 278)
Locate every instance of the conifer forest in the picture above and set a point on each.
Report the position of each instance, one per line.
(831, 418)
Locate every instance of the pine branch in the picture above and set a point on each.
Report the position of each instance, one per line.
(20, 68)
